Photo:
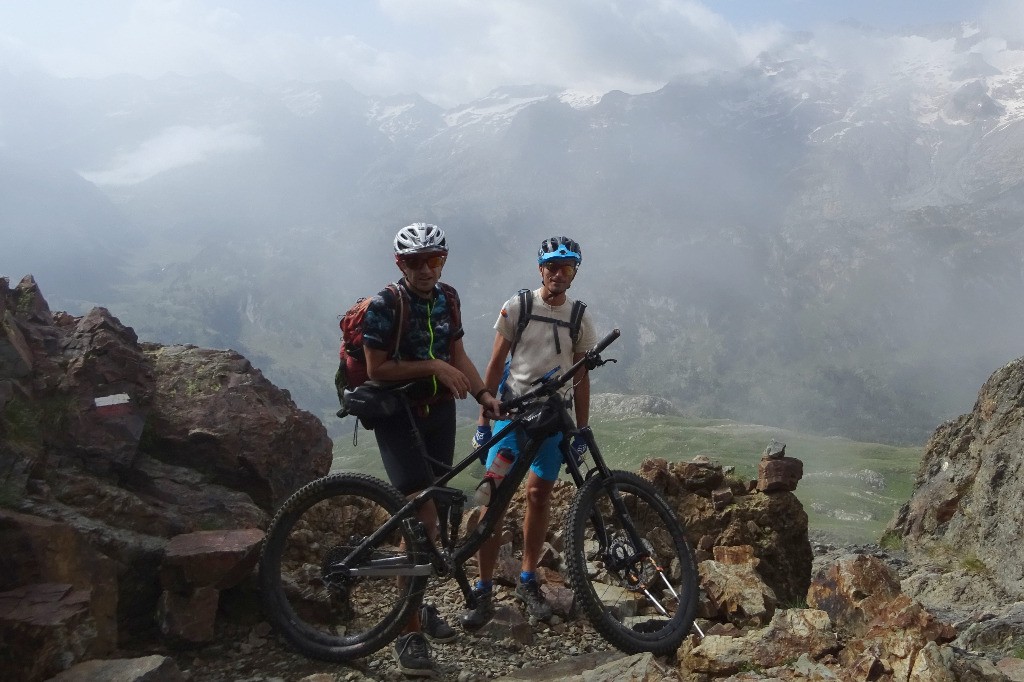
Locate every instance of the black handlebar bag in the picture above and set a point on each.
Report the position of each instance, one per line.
(370, 402)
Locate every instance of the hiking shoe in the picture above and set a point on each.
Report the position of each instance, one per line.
(529, 593)
(484, 611)
(434, 628)
(413, 655)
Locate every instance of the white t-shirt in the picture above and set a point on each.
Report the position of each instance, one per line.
(535, 354)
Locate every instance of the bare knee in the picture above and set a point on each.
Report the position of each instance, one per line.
(538, 491)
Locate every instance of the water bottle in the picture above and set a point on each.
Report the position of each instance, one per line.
(493, 478)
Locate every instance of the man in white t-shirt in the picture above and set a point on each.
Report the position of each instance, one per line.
(557, 334)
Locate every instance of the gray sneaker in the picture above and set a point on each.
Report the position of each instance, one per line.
(529, 593)
(472, 619)
(433, 627)
(413, 655)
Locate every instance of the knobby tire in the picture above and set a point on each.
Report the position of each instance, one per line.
(324, 615)
(611, 595)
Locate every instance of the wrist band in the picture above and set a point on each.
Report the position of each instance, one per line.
(476, 396)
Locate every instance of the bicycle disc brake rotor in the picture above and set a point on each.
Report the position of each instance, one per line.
(636, 572)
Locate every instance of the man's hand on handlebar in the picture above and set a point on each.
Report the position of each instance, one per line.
(492, 408)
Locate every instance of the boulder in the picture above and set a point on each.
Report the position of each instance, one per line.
(109, 385)
(214, 412)
(39, 550)
(779, 474)
(733, 591)
(854, 591)
(792, 633)
(965, 508)
(774, 524)
(44, 629)
(219, 559)
(110, 447)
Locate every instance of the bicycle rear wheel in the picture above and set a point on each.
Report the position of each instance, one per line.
(638, 598)
(317, 605)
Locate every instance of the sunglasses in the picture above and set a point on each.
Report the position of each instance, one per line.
(416, 262)
(554, 267)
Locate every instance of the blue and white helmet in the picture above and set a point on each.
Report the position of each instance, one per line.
(419, 238)
(559, 248)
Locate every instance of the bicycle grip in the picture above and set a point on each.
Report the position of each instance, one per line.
(606, 341)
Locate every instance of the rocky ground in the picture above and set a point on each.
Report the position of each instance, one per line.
(255, 654)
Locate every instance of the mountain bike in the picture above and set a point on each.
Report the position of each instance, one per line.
(345, 561)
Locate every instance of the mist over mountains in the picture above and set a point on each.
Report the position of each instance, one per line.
(832, 244)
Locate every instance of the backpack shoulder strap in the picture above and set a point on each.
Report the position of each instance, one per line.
(454, 304)
(576, 320)
(400, 315)
(525, 312)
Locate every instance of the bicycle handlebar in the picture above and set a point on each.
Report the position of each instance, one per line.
(604, 343)
(550, 386)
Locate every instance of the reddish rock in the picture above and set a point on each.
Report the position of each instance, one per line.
(45, 628)
(779, 474)
(854, 591)
(38, 550)
(219, 559)
(188, 619)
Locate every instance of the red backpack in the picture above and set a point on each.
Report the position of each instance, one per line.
(352, 368)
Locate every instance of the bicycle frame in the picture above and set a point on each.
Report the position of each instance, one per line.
(445, 561)
(450, 558)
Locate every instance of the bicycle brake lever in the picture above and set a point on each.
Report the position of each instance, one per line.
(597, 361)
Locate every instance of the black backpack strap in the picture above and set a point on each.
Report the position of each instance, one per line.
(525, 315)
(576, 320)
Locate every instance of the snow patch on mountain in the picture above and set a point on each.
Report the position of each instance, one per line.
(578, 99)
(390, 119)
(303, 103)
(494, 110)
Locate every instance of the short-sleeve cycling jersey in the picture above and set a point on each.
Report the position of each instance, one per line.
(429, 330)
(536, 353)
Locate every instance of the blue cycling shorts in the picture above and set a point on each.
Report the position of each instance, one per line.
(548, 462)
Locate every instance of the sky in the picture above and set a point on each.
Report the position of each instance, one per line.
(449, 51)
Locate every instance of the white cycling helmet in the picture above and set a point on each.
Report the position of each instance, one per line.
(419, 238)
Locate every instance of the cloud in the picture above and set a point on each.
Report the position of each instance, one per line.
(174, 147)
(449, 51)
(1004, 18)
(634, 45)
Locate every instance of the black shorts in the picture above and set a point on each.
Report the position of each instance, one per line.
(404, 463)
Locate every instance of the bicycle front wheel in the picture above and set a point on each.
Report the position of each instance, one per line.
(640, 596)
(326, 608)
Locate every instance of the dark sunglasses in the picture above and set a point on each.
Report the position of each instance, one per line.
(555, 267)
(416, 262)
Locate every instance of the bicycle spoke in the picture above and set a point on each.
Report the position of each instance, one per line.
(330, 592)
(618, 544)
